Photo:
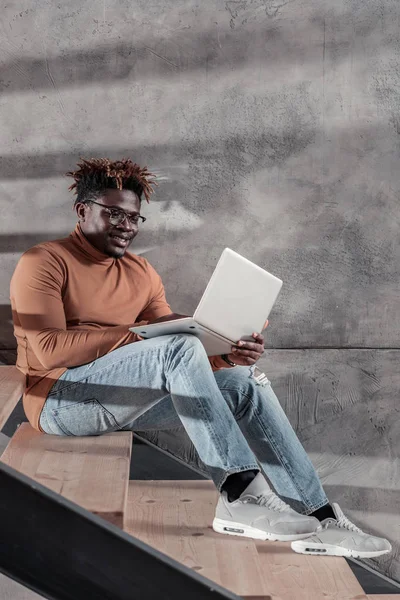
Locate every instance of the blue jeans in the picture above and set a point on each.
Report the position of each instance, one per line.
(167, 384)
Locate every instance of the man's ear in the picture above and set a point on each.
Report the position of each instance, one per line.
(80, 209)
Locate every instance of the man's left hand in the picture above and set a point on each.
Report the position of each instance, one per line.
(247, 353)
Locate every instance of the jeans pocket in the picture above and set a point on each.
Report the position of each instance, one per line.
(88, 417)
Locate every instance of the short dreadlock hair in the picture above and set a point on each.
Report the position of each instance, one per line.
(95, 175)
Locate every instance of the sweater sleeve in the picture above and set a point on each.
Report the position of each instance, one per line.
(158, 305)
(217, 363)
(36, 287)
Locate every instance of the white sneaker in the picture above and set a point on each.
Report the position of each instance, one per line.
(261, 515)
(340, 537)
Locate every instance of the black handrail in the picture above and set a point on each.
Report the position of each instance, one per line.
(63, 552)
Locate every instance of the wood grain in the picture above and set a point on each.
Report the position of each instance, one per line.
(384, 597)
(294, 576)
(175, 517)
(12, 383)
(91, 471)
(314, 596)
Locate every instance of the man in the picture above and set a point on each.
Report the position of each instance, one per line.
(73, 301)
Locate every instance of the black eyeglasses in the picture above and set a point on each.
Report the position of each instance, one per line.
(117, 216)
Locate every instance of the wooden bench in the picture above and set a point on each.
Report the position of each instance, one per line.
(91, 471)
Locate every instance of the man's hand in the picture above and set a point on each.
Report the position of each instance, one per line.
(247, 353)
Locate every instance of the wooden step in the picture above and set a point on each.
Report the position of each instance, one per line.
(91, 471)
(383, 597)
(291, 576)
(12, 385)
(175, 517)
(311, 596)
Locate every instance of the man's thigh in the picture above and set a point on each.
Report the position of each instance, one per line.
(108, 393)
(162, 416)
(161, 426)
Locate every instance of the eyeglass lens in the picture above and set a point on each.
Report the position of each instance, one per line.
(117, 217)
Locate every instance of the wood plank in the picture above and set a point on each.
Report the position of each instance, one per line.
(383, 597)
(4, 440)
(91, 471)
(293, 576)
(12, 383)
(311, 596)
(175, 517)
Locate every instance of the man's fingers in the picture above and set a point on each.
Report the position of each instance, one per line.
(259, 338)
(254, 346)
(254, 354)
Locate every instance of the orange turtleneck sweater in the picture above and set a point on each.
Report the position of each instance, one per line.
(72, 304)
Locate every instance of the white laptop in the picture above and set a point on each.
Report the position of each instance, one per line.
(236, 302)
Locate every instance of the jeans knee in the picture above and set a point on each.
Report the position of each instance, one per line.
(184, 344)
(187, 340)
(244, 389)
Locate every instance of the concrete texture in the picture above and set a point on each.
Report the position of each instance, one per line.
(274, 127)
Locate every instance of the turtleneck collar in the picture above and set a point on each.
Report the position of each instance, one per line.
(79, 238)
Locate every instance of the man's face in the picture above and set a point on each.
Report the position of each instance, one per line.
(95, 222)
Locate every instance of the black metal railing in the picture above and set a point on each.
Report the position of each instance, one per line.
(63, 552)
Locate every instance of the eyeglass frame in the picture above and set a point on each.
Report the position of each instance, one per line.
(120, 210)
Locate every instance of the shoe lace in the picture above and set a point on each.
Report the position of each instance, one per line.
(272, 502)
(344, 523)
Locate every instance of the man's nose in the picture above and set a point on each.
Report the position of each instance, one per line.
(127, 224)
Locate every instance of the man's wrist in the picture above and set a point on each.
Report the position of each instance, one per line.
(228, 361)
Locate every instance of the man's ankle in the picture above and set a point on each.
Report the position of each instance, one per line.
(325, 512)
(236, 483)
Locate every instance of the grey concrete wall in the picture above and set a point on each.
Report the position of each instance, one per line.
(274, 126)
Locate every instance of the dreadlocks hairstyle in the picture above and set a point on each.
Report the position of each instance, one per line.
(95, 175)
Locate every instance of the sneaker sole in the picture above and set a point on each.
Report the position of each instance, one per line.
(231, 528)
(331, 550)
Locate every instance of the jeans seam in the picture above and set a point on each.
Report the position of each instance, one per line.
(273, 445)
(43, 416)
(72, 406)
(66, 432)
(205, 419)
(226, 469)
(107, 412)
(287, 468)
(311, 509)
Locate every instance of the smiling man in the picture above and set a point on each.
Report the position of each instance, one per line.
(73, 302)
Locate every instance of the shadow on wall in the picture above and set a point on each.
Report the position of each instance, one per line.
(188, 51)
